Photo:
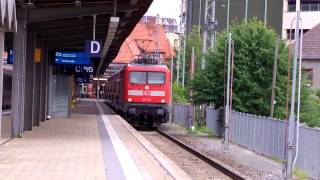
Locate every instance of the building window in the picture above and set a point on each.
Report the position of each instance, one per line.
(292, 33)
(305, 6)
(309, 75)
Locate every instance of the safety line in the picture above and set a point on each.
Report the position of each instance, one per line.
(128, 166)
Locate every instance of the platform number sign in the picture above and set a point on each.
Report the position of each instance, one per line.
(93, 48)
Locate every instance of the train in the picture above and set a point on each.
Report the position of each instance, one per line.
(140, 93)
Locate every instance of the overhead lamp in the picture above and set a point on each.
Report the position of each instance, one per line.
(77, 3)
(30, 4)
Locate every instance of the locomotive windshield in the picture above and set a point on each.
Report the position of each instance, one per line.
(156, 78)
(142, 77)
(138, 77)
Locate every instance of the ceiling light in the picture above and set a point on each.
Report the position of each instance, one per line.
(77, 3)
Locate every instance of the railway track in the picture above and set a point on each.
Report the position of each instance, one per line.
(216, 165)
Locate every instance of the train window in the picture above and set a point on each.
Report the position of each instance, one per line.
(138, 77)
(156, 78)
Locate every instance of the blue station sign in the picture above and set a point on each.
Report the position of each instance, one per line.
(10, 56)
(72, 58)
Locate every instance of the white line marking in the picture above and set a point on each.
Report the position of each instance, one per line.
(171, 167)
(128, 166)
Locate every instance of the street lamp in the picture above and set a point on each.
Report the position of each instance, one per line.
(290, 140)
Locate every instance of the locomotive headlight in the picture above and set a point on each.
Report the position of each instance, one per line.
(163, 101)
(129, 99)
(147, 87)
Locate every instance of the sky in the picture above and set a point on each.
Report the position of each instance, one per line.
(165, 8)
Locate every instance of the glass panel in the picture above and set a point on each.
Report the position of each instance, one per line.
(314, 7)
(305, 7)
(156, 78)
(292, 8)
(138, 77)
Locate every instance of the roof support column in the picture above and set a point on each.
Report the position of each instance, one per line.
(18, 80)
(36, 89)
(49, 91)
(43, 77)
(2, 35)
(29, 75)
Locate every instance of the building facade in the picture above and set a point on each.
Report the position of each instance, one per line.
(311, 56)
(169, 25)
(310, 15)
(256, 8)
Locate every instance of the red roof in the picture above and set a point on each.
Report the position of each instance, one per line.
(144, 36)
(128, 50)
(311, 44)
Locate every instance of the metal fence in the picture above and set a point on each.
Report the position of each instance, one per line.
(267, 136)
(263, 135)
(213, 121)
(181, 114)
(309, 151)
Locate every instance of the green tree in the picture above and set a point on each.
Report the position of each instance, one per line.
(253, 63)
(310, 105)
(180, 94)
(194, 39)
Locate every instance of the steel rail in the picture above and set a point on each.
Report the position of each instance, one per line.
(225, 170)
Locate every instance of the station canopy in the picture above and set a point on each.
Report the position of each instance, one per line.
(8, 15)
(68, 24)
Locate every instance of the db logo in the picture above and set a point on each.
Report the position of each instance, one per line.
(146, 93)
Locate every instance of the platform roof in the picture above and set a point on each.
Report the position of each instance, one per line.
(68, 24)
(8, 15)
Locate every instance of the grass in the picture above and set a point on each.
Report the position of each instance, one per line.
(299, 174)
(277, 160)
(198, 131)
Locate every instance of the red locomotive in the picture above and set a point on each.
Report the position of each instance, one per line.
(141, 93)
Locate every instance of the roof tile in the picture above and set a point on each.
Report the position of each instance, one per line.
(144, 36)
(311, 44)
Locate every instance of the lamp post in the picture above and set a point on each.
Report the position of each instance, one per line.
(265, 12)
(290, 140)
(228, 16)
(246, 12)
(227, 108)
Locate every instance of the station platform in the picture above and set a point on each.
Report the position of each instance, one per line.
(95, 143)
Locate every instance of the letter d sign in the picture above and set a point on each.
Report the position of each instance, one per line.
(93, 48)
